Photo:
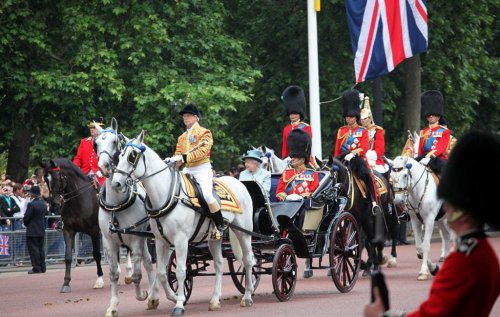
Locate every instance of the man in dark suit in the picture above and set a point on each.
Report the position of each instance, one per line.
(34, 220)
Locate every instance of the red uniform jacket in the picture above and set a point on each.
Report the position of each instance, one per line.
(377, 142)
(86, 158)
(434, 141)
(468, 284)
(286, 131)
(302, 183)
(354, 140)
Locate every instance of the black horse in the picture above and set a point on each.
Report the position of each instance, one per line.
(72, 192)
(374, 227)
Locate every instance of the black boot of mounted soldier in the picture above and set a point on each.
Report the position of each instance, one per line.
(219, 225)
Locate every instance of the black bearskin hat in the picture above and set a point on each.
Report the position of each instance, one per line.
(350, 103)
(299, 144)
(432, 103)
(190, 108)
(466, 187)
(295, 101)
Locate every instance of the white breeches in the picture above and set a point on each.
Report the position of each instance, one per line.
(204, 176)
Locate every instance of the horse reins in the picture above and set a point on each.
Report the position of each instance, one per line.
(408, 189)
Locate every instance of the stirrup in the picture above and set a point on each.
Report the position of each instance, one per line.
(376, 209)
(216, 234)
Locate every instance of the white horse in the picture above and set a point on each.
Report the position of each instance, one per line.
(121, 210)
(270, 161)
(168, 203)
(416, 189)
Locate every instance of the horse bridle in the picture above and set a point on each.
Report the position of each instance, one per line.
(63, 183)
(405, 190)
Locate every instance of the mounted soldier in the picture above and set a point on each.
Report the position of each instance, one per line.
(435, 138)
(352, 144)
(86, 158)
(376, 140)
(295, 104)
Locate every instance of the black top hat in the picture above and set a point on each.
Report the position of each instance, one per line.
(468, 188)
(96, 121)
(351, 103)
(299, 144)
(35, 190)
(295, 100)
(190, 108)
(432, 103)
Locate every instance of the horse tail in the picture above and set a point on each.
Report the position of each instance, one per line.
(235, 246)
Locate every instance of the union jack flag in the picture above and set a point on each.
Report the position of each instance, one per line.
(384, 33)
(4, 245)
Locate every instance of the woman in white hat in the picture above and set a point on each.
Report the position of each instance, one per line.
(253, 171)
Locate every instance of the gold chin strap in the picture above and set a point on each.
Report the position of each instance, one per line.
(455, 216)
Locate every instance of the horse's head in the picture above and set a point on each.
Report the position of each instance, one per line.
(131, 163)
(271, 162)
(107, 146)
(401, 178)
(56, 181)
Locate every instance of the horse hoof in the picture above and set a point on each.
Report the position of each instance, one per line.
(435, 271)
(423, 277)
(143, 297)
(113, 313)
(128, 280)
(65, 289)
(99, 283)
(246, 302)
(420, 256)
(178, 311)
(385, 259)
(441, 259)
(214, 307)
(392, 263)
(152, 304)
(308, 273)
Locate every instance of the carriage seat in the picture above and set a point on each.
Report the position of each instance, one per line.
(314, 212)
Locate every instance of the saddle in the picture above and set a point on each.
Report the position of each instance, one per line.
(379, 183)
(224, 196)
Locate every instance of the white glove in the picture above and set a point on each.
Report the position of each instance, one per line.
(175, 158)
(425, 161)
(348, 157)
(371, 155)
(294, 197)
(99, 174)
(372, 163)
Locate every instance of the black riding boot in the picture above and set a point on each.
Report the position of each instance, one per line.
(219, 223)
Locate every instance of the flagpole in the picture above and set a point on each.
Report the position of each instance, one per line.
(312, 36)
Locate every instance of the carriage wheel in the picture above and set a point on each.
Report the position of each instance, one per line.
(345, 252)
(284, 272)
(238, 274)
(172, 278)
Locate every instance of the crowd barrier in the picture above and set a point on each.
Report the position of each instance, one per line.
(13, 250)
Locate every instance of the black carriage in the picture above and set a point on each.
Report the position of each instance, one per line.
(327, 231)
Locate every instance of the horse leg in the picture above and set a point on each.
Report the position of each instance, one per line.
(426, 243)
(308, 272)
(245, 242)
(96, 251)
(69, 241)
(111, 251)
(394, 232)
(147, 263)
(369, 262)
(128, 268)
(417, 231)
(137, 255)
(181, 251)
(445, 235)
(162, 257)
(215, 247)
